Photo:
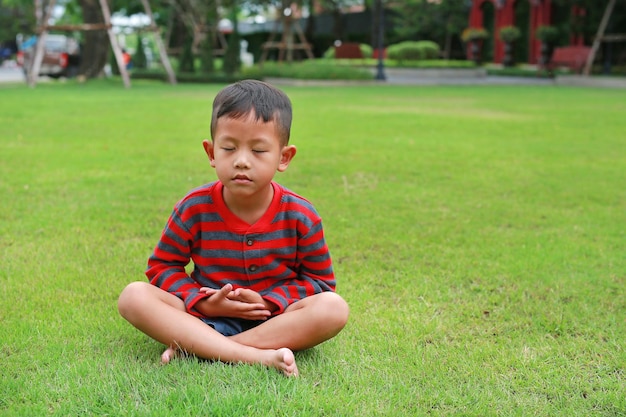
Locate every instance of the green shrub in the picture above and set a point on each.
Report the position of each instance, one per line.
(430, 49)
(413, 51)
(474, 34)
(139, 58)
(308, 70)
(366, 50)
(404, 51)
(547, 34)
(510, 34)
(329, 53)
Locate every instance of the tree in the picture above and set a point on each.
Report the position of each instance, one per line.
(16, 16)
(337, 8)
(208, 46)
(96, 45)
(232, 59)
(436, 20)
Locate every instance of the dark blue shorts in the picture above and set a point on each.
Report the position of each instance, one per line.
(230, 326)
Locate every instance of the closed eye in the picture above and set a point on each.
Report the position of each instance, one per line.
(227, 149)
(259, 151)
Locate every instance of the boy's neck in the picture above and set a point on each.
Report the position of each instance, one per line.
(249, 209)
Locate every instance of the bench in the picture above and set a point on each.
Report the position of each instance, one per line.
(572, 57)
(348, 51)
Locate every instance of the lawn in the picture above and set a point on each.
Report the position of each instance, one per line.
(478, 234)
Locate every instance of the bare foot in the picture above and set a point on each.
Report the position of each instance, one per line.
(284, 360)
(169, 354)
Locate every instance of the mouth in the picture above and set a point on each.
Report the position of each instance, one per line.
(241, 179)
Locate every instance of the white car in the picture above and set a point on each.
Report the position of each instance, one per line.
(61, 56)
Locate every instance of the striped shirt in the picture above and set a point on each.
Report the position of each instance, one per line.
(283, 256)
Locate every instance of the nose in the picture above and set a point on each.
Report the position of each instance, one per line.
(241, 160)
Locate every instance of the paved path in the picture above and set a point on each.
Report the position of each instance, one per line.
(405, 76)
(9, 74)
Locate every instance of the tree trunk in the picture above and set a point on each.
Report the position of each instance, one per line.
(95, 49)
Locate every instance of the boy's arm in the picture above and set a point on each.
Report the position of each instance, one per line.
(166, 265)
(315, 272)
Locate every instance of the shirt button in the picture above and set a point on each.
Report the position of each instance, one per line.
(253, 268)
(250, 242)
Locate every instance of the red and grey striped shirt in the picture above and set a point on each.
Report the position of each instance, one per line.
(283, 256)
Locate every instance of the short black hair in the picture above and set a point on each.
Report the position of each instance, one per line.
(268, 103)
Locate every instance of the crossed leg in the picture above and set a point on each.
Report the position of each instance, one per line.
(304, 324)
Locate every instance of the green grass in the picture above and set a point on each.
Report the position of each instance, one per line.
(478, 234)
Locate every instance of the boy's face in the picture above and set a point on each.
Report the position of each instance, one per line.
(246, 153)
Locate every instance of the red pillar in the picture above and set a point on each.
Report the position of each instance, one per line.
(539, 15)
(476, 15)
(476, 19)
(576, 39)
(506, 17)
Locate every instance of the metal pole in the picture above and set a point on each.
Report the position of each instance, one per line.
(380, 69)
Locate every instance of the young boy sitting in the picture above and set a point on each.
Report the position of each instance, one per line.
(262, 284)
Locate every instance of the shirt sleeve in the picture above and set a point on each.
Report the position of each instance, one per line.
(314, 272)
(166, 265)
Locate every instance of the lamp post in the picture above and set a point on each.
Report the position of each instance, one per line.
(380, 69)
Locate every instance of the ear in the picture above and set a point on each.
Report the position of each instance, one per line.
(286, 155)
(210, 151)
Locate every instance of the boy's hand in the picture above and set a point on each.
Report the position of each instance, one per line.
(249, 296)
(225, 303)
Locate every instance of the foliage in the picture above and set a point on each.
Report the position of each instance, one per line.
(207, 46)
(415, 19)
(392, 63)
(366, 50)
(139, 57)
(186, 77)
(232, 58)
(16, 17)
(488, 281)
(430, 49)
(308, 70)
(187, 60)
(471, 34)
(509, 34)
(411, 50)
(547, 33)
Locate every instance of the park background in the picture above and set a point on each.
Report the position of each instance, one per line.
(210, 41)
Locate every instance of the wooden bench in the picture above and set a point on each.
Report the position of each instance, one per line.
(572, 57)
(348, 51)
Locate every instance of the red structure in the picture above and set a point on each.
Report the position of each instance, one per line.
(495, 14)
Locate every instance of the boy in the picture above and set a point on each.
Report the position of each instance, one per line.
(262, 285)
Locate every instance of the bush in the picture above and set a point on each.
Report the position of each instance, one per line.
(413, 51)
(474, 34)
(547, 34)
(139, 58)
(366, 50)
(308, 70)
(430, 49)
(510, 34)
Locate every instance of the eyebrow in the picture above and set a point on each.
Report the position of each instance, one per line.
(254, 141)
